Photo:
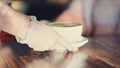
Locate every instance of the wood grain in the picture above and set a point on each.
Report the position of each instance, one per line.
(103, 52)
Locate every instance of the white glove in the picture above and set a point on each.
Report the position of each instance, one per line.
(42, 37)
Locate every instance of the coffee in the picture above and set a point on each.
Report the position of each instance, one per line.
(63, 24)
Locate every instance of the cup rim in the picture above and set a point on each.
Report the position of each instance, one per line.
(64, 24)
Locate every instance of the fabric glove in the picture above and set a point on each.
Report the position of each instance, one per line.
(41, 37)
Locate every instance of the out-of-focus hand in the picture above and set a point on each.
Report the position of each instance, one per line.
(73, 14)
(68, 17)
(42, 37)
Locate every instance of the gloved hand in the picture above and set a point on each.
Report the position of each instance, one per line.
(42, 37)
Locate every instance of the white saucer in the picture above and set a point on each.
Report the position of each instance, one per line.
(75, 45)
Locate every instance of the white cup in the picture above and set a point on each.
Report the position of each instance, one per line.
(71, 32)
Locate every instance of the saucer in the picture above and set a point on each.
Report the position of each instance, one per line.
(75, 45)
(71, 32)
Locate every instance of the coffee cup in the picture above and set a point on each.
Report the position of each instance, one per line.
(71, 32)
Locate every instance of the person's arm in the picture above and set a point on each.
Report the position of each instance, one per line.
(12, 21)
(39, 36)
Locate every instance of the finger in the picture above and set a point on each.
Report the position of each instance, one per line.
(65, 43)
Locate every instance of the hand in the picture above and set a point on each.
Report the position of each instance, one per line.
(42, 37)
(74, 13)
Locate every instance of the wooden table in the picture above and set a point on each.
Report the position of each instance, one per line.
(99, 52)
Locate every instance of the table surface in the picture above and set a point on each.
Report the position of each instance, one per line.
(99, 52)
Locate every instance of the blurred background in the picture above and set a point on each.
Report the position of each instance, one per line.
(42, 9)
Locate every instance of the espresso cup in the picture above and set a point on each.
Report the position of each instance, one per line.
(71, 32)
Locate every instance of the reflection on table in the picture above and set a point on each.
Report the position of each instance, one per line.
(99, 52)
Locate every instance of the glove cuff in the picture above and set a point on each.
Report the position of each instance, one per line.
(29, 34)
